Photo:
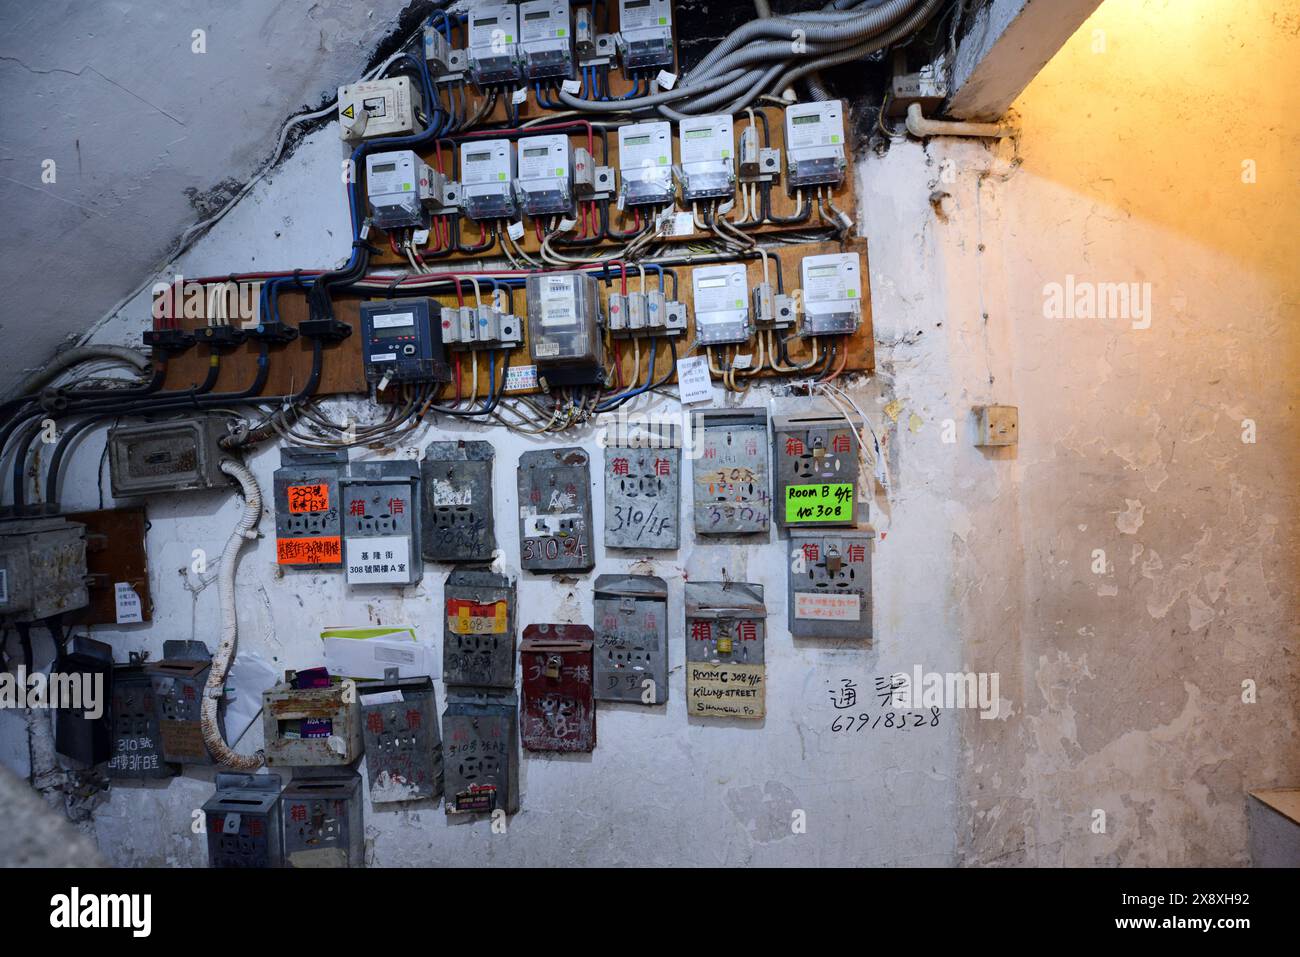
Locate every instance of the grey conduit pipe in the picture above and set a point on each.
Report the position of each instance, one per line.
(70, 357)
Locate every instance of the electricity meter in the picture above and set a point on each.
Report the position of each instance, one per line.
(493, 44)
(832, 294)
(387, 107)
(721, 304)
(814, 142)
(487, 170)
(401, 341)
(176, 456)
(644, 152)
(708, 157)
(563, 327)
(545, 38)
(400, 188)
(645, 33)
(545, 174)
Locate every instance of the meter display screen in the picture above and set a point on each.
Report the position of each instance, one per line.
(805, 120)
(534, 153)
(477, 157)
(698, 134)
(637, 141)
(383, 167)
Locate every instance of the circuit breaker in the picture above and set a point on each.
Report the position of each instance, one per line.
(242, 820)
(386, 107)
(42, 568)
(480, 733)
(557, 710)
(494, 44)
(708, 155)
(815, 461)
(645, 33)
(643, 490)
(631, 650)
(721, 304)
(546, 38)
(402, 189)
(564, 328)
(137, 741)
(178, 680)
(456, 502)
(399, 730)
(645, 164)
(320, 817)
(311, 722)
(555, 511)
(478, 645)
(832, 294)
(731, 472)
(814, 144)
(381, 523)
(180, 455)
(487, 174)
(401, 341)
(545, 180)
(83, 724)
(830, 584)
(308, 523)
(725, 634)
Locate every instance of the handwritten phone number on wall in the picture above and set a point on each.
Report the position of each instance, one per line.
(892, 720)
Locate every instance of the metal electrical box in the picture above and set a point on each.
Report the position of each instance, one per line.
(42, 568)
(564, 328)
(814, 144)
(308, 524)
(487, 174)
(478, 645)
(480, 746)
(242, 820)
(645, 33)
(832, 294)
(815, 461)
(558, 712)
(137, 740)
(643, 491)
(731, 472)
(456, 502)
(79, 732)
(545, 179)
(494, 43)
(399, 728)
(555, 511)
(830, 584)
(385, 107)
(645, 170)
(381, 523)
(725, 631)
(631, 652)
(708, 153)
(313, 726)
(321, 819)
(401, 341)
(721, 304)
(546, 38)
(176, 456)
(178, 682)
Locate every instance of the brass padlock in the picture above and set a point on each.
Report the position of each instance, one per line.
(833, 561)
(724, 644)
(553, 666)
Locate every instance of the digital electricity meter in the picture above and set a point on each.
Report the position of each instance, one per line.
(401, 341)
(721, 304)
(708, 153)
(487, 173)
(494, 44)
(814, 142)
(564, 327)
(387, 107)
(545, 179)
(546, 39)
(644, 160)
(645, 33)
(832, 294)
(400, 188)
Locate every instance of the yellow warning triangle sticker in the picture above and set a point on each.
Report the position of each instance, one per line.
(349, 112)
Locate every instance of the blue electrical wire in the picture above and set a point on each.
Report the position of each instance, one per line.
(617, 400)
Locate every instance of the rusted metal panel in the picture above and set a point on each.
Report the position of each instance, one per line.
(631, 652)
(42, 568)
(137, 741)
(311, 727)
(399, 727)
(725, 635)
(321, 820)
(178, 682)
(456, 497)
(308, 508)
(481, 751)
(479, 635)
(115, 553)
(830, 584)
(558, 711)
(731, 493)
(555, 511)
(242, 820)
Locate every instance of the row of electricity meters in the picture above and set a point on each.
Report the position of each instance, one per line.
(546, 175)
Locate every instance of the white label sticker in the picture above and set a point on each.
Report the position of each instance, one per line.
(827, 607)
(741, 361)
(381, 697)
(129, 607)
(683, 224)
(521, 377)
(571, 87)
(393, 320)
(384, 357)
(519, 96)
(420, 237)
(566, 225)
(516, 231)
(447, 494)
(378, 560)
(693, 379)
(544, 350)
(667, 80)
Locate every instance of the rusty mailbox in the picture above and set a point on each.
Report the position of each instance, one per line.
(242, 820)
(311, 727)
(555, 511)
(178, 682)
(399, 725)
(308, 524)
(725, 632)
(479, 637)
(480, 732)
(731, 494)
(642, 497)
(631, 653)
(456, 496)
(137, 742)
(557, 710)
(320, 812)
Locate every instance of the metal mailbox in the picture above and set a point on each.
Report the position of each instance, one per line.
(308, 523)
(399, 726)
(321, 820)
(78, 733)
(631, 651)
(137, 741)
(725, 632)
(830, 584)
(643, 490)
(555, 511)
(731, 473)
(480, 747)
(456, 498)
(311, 727)
(178, 682)
(558, 711)
(478, 645)
(242, 820)
(815, 463)
(381, 524)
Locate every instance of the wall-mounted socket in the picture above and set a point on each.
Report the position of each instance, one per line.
(998, 425)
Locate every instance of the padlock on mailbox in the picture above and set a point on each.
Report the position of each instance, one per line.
(320, 813)
(830, 584)
(725, 634)
(480, 731)
(558, 709)
(399, 725)
(242, 820)
(178, 683)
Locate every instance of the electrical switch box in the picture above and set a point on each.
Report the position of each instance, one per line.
(399, 729)
(631, 651)
(731, 472)
(726, 625)
(494, 44)
(401, 341)
(242, 820)
(814, 143)
(478, 646)
(643, 490)
(832, 294)
(42, 568)
(546, 38)
(555, 511)
(175, 456)
(178, 680)
(721, 304)
(321, 819)
(437, 48)
(372, 108)
(645, 164)
(311, 726)
(381, 523)
(83, 726)
(557, 710)
(456, 496)
(830, 584)
(137, 741)
(546, 173)
(564, 328)
(815, 460)
(645, 33)
(487, 173)
(708, 152)
(998, 425)
(308, 524)
(480, 752)
(402, 189)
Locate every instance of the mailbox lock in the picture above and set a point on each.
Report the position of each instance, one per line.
(553, 663)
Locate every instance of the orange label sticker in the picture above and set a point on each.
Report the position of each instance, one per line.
(309, 551)
(466, 617)
(309, 498)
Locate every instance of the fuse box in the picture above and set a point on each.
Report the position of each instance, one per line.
(814, 144)
(631, 650)
(311, 726)
(456, 496)
(485, 326)
(731, 472)
(178, 681)
(558, 712)
(725, 634)
(321, 819)
(564, 328)
(308, 526)
(437, 49)
(645, 33)
(42, 568)
(555, 511)
(815, 461)
(494, 44)
(478, 645)
(83, 726)
(830, 584)
(401, 341)
(176, 456)
(242, 820)
(480, 752)
(137, 741)
(643, 490)
(401, 189)
(832, 294)
(399, 730)
(487, 173)
(708, 153)
(381, 523)
(721, 304)
(387, 107)
(645, 164)
(545, 173)
(546, 38)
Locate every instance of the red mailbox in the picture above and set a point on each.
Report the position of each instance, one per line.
(558, 710)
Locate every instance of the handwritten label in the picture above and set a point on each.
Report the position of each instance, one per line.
(827, 607)
(666, 80)
(308, 498)
(726, 690)
(693, 379)
(327, 550)
(129, 608)
(516, 231)
(465, 617)
(819, 503)
(571, 87)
